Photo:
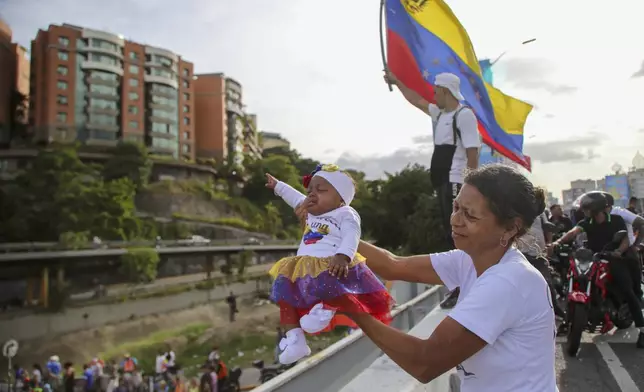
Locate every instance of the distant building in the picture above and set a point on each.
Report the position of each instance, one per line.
(14, 77)
(224, 131)
(97, 88)
(551, 199)
(273, 140)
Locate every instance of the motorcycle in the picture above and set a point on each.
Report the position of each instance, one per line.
(592, 305)
(270, 371)
(232, 382)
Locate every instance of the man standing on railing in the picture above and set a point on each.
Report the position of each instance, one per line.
(456, 144)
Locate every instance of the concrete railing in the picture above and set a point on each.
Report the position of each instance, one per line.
(335, 368)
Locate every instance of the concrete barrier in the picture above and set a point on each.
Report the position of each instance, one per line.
(334, 368)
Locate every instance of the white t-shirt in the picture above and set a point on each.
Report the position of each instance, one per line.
(158, 367)
(629, 218)
(533, 243)
(444, 134)
(337, 231)
(509, 307)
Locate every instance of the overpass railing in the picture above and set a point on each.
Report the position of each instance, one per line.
(338, 366)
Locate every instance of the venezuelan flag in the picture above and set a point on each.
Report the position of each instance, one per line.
(424, 38)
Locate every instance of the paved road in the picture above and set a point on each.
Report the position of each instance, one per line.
(608, 363)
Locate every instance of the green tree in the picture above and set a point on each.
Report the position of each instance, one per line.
(129, 160)
(18, 125)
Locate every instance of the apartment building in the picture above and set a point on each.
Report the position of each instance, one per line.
(97, 88)
(224, 131)
(14, 82)
(273, 140)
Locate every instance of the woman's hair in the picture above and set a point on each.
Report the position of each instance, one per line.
(509, 194)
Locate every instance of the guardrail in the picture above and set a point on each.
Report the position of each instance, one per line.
(10, 247)
(334, 368)
(75, 254)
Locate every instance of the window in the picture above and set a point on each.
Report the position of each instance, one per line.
(134, 125)
(61, 117)
(186, 135)
(186, 84)
(63, 41)
(134, 82)
(61, 100)
(186, 96)
(186, 120)
(134, 56)
(134, 69)
(133, 96)
(61, 85)
(132, 109)
(62, 70)
(185, 148)
(186, 72)
(64, 56)
(186, 109)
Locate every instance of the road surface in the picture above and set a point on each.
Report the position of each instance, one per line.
(605, 363)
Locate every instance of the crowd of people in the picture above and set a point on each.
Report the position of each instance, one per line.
(123, 376)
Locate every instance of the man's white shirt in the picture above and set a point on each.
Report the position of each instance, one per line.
(444, 134)
(510, 308)
(629, 218)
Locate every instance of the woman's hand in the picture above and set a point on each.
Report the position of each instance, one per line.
(339, 266)
(271, 182)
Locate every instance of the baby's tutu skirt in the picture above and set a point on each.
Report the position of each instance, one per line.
(304, 281)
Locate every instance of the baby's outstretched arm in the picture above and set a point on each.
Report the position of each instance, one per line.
(291, 196)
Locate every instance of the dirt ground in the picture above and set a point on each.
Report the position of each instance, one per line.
(84, 345)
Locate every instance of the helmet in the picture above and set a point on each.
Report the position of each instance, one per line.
(593, 201)
(609, 198)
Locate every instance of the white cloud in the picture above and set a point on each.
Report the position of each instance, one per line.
(312, 70)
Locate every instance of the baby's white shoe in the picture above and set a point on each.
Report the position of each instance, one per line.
(293, 347)
(317, 319)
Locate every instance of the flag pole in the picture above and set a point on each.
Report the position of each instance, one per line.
(382, 40)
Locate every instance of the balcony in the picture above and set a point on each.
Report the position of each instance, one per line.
(103, 110)
(162, 150)
(164, 120)
(103, 35)
(163, 135)
(174, 83)
(91, 64)
(102, 81)
(102, 50)
(97, 94)
(114, 128)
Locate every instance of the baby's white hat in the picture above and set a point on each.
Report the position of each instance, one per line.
(341, 181)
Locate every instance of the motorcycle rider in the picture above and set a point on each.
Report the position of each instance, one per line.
(601, 227)
(559, 219)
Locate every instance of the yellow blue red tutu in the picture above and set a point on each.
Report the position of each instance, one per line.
(304, 281)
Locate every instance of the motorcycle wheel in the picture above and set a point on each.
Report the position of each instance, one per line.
(579, 317)
(267, 377)
(623, 319)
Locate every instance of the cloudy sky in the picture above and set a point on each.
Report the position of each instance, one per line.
(312, 71)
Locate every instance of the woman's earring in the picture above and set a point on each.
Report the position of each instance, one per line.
(503, 242)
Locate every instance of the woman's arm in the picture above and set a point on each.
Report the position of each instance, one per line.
(492, 306)
(424, 359)
(391, 267)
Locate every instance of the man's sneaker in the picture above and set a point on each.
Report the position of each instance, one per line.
(640, 340)
(451, 300)
(317, 319)
(293, 347)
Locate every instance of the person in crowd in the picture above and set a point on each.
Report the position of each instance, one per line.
(632, 205)
(213, 357)
(600, 227)
(160, 364)
(533, 246)
(88, 376)
(456, 144)
(500, 336)
(36, 376)
(559, 219)
(193, 386)
(327, 274)
(231, 300)
(69, 377)
(129, 364)
(222, 371)
(171, 364)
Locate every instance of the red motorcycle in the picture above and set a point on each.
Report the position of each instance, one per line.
(593, 305)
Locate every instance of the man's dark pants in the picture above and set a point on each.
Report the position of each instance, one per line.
(446, 194)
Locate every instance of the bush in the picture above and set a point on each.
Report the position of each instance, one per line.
(140, 264)
(74, 241)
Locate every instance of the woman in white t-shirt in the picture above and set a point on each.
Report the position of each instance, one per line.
(501, 334)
